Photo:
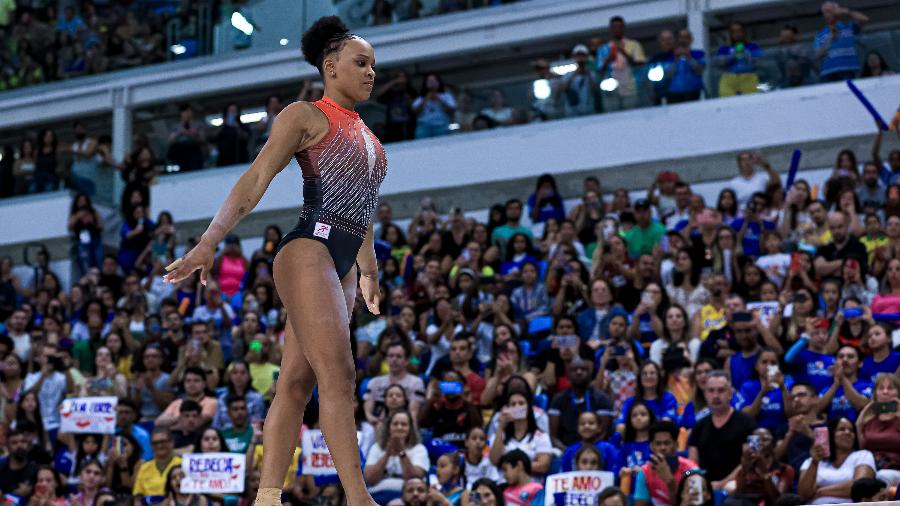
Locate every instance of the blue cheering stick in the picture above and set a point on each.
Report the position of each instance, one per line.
(868, 105)
(795, 165)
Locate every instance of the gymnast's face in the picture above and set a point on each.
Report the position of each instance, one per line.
(353, 69)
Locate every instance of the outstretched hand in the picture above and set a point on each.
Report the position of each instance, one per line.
(200, 257)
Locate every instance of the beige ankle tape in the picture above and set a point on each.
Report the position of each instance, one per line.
(268, 496)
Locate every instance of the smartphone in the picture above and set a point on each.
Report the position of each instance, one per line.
(120, 446)
(852, 312)
(451, 387)
(519, 412)
(475, 498)
(620, 351)
(742, 316)
(672, 462)
(567, 341)
(795, 265)
(256, 345)
(646, 298)
(754, 442)
(821, 439)
(883, 408)
(772, 372)
(697, 488)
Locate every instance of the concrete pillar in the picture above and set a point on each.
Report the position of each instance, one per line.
(121, 134)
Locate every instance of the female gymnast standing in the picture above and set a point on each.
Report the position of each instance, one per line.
(343, 166)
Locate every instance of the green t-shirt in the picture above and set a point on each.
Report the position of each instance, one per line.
(238, 442)
(501, 235)
(84, 355)
(642, 240)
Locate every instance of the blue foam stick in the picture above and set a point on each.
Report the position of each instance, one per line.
(868, 105)
(795, 164)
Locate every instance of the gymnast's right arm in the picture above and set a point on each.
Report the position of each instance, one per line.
(292, 131)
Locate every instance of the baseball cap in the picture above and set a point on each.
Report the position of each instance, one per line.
(580, 49)
(642, 204)
(668, 176)
(467, 272)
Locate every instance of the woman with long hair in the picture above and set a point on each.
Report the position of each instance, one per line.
(48, 488)
(676, 332)
(518, 430)
(238, 382)
(508, 362)
(546, 202)
(398, 455)
(434, 108)
(877, 428)
(174, 495)
(651, 390)
(828, 474)
(91, 475)
(686, 289)
(316, 272)
(888, 301)
(124, 462)
(29, 410)
(727, 205)
(74, 452)
(875, 65)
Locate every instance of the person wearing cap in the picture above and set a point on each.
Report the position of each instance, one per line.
(580, 87)
(620, 59)
(646, 233)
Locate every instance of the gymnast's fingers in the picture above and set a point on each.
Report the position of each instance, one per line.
(203, 273)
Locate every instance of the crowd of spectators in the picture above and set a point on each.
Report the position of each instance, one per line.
(740, 351)
(43, 41)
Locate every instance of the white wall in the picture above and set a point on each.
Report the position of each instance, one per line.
(605, 142)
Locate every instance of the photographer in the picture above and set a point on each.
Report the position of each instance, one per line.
(51, 384)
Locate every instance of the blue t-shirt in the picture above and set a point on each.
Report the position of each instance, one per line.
(813, 367)
(752, 235)
(740, 64)
(771, 413)
(840, 405)
(664, 407)
(609, 452)
(741, 369)
(841, 54)
(548, 210)
(684, 80)
(634, 454)
(645, 327)
(689, 417)
(870, 368)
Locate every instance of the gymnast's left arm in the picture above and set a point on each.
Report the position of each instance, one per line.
(368, 269)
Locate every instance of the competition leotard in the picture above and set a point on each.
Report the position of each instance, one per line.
(341, 177)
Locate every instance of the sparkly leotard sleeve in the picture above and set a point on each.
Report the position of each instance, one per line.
(341, 177)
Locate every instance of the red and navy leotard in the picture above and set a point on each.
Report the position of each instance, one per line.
(341, 177)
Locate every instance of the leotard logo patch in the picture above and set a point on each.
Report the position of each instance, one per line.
(322, 230)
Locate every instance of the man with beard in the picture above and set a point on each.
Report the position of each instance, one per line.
(501, 235)
(871, 192)
(843, 245)
(415, 493)
(17, 474)
(629, 295)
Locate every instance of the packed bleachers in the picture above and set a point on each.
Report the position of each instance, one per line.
(665, 347)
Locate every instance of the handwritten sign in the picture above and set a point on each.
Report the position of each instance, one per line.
(213, 473)
(315, 454)
(578, 488)
(89, 415)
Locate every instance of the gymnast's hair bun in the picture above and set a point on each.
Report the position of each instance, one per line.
(317, 37)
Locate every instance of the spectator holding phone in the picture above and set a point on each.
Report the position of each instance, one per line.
(878, 425)
(835, 44)
(760, 475)
(433, 108)
(51, 384)
(768, 394)
(738, 62)
(517, 430)
(448, 410)
(658, 480)
(835, 463)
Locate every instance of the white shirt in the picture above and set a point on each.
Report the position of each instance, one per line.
(828, 475)
(744, 188)
(22, 344)
(483, 469)
(393, 470)
(775, 266)
(51, 394)
(532, 446)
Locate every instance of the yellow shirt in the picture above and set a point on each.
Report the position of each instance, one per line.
(291, 475)
(711, 319)
(262, 377)
(149, 481)
(873, 244)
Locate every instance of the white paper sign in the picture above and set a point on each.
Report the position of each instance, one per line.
(315, 455)
(88, 415)
(767, 310)
(213, 473)
(578, 488)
